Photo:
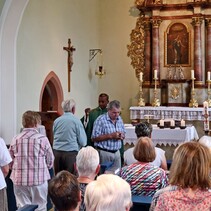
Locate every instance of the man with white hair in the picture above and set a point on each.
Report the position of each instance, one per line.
(87, 164)
(69, 137)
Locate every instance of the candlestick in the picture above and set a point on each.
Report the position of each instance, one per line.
(141, 99)
(156, 101)
(193, 102)
(192, 74)
(208, 90)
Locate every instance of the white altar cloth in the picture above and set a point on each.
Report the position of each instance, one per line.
(164, 136)
(163, 112)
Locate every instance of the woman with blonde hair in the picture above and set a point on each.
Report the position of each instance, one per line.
(108, 192)
(190, 173)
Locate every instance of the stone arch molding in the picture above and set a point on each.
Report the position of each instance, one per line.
(10, 20)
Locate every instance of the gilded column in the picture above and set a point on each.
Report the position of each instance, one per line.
(147, 50)
(155, 46)
(208, 44)
(197, 21)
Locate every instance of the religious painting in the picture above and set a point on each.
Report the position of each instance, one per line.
(177, 45)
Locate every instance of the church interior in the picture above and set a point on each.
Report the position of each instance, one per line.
(154, 56)
(123, 38)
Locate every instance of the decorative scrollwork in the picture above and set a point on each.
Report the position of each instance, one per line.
(136, 48)
(148, 2)
(140, 2)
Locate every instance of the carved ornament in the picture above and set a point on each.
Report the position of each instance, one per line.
(145, 3)
(208, 22)
(175, 91)
(136, 48)
(156, 22)
(196, 21)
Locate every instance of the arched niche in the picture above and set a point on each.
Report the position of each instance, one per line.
(51, 94)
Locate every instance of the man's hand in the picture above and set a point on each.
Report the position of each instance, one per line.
(117, 135)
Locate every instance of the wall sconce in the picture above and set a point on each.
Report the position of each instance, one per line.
(99, 61)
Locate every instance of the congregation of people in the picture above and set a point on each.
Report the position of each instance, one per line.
(82, 146)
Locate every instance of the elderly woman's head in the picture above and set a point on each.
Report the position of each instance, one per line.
(191, 166)
(143, 129)
(144, 150)
(29, 120)
(87, 162)
(108, 192)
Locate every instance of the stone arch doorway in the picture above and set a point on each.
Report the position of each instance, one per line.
(51, 97)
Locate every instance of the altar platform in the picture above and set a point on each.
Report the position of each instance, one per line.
(163, 112)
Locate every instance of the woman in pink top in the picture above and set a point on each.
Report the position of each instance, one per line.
(190, 172)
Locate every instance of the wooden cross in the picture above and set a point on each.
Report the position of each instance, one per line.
(69, 50)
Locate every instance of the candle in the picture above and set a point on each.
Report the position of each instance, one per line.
(208, 76)
(192, 74)
(141, 76)
(182, 124)
(172, 124)
(161, 122)
(155, 74)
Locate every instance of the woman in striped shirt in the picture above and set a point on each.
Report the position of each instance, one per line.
(144, 178)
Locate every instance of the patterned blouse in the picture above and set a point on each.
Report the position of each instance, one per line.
(179, 200)
(144, 179)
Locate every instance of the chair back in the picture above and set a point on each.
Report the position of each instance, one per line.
(28, 207)
(141, 203)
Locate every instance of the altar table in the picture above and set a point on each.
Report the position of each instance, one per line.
(163, 112)
(164, 136)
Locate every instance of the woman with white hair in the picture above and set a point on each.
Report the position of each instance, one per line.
(108, 192)
(87, 164)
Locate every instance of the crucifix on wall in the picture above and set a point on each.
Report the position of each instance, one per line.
(69, 50)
